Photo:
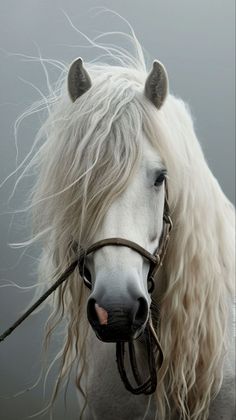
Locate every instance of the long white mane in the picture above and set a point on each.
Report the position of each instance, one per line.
(80, 173)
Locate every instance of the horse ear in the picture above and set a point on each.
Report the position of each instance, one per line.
(78, 79)
(156, 86)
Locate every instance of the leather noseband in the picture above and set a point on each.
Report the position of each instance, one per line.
(155, 259)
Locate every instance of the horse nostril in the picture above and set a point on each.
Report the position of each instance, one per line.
(102, 314)
(96, 314)
(142, 312)
(91, 311)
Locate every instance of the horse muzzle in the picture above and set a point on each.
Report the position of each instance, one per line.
(118, 321)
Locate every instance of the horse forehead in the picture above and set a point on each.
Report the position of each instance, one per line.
(132, 199)
(151, 158)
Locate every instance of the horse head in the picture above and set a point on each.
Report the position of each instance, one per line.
(119, 305)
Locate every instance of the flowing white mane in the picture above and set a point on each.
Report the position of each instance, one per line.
(89, 153)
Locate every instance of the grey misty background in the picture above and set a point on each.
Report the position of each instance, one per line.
(195, 41)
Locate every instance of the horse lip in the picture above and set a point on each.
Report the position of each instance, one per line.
(108, 335)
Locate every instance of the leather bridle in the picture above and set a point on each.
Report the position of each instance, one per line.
(151, 340)
(150, 336)
(154, 259)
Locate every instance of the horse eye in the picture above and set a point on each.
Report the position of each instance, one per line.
(160, 178)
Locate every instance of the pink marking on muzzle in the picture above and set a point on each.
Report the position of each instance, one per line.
(102, 314)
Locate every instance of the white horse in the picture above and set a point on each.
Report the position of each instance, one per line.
(113, 141)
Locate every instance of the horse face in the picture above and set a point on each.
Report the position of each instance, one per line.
(118, 307)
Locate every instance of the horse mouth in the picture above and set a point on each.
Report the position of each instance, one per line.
(120, 333)
(112, 326)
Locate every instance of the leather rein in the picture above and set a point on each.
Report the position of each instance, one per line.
(151, 340)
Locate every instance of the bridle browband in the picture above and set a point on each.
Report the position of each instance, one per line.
(150, 336)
